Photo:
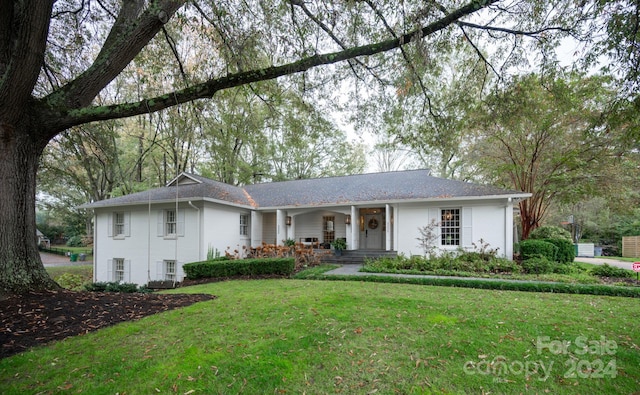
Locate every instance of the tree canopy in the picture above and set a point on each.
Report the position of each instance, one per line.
(66, 63)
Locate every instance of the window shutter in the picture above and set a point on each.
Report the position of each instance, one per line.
(127, 224)
(434, 215)
(160, 223)
(159, 270)
(180, 222)
(110, 225)
(110, 270)
(467, 228)
(127, 270)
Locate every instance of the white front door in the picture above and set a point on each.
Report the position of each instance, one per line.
(372, 236)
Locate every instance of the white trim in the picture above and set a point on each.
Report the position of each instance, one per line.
(312, 206)
(182, 176)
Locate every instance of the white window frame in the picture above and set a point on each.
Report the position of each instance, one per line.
(170, 269)
(118, 224)
(118, 269)
(244, 224)
(451, 227)
(170, 223)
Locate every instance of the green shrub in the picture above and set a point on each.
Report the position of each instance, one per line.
(610, 271)
(565, 268)
(503, 265)
(539, 264)
(550, 232)
(526, 286)
(75, 241)
(71, 281)
(566, 251)
(465, 262)
(531, 248)
(240, 267)
(114, 286)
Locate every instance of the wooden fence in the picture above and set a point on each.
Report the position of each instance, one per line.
(631, 246)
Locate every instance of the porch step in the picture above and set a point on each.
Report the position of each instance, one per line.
(357, 256)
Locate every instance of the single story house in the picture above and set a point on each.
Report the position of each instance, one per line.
(149, 235)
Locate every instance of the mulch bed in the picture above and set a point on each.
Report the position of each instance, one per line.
(38, 318)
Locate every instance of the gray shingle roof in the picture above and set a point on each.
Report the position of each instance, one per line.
(204, 188)
(373, 187)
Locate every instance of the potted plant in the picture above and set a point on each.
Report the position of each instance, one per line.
(339, 245)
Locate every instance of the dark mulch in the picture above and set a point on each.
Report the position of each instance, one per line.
(38, 318)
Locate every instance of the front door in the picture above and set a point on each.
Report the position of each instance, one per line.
(371, 237)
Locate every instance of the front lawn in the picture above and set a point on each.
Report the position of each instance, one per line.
(316, 337)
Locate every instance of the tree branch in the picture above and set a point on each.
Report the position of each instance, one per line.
(131, 32)
(25, 26)
(532, 33)
(209, 88)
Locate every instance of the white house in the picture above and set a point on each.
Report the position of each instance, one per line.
(149, 235)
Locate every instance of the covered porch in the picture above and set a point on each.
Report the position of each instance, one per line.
(362, 227)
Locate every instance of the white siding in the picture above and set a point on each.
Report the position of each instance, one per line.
(221, 228)
(269, 228)
(143, 248)
(479, 221)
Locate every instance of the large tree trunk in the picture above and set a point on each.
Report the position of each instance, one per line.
(21, 269)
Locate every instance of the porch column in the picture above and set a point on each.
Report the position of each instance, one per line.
(355, 229)
(256, 229)
(291, 229)
(388, 231)
(281, 227)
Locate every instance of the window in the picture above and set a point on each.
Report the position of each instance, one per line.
(170, 270)
(118, 269)
(118, 224)
(450, 227)
(170, 223)
(328, 232)
(244, 225)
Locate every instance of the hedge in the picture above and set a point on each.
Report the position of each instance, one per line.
(566, 251)
(504, 285)
(533, 248)
(240, 267)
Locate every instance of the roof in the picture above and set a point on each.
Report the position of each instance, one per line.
(388, 187)
(189, 187)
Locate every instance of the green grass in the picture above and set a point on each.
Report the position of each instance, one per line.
(619, 258)
(317, 337)
(86, 271)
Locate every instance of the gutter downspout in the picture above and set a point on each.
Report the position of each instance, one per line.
(199, 231)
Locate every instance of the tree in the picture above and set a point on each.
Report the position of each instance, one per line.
(546, 139)
(57, 57)
(439, 133)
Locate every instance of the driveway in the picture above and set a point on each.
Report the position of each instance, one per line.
(610, 262)
(60, 260)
